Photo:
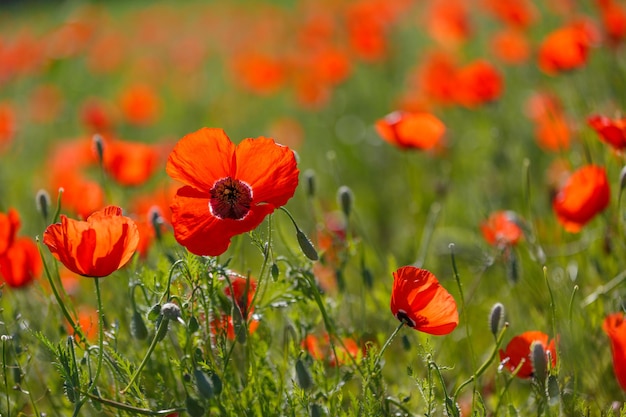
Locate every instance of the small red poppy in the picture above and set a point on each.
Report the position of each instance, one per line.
(502, 229)
(319, 348)
(9, 225)
(519, 348)
(564, 49)
(615, 327)
(229, 189)
(243, 290)
(411, 130)
(418, 300)
(585, 194)
(96, 247)
(21, 263)
(611, 131)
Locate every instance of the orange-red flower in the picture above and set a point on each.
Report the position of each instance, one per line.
(140, 104)
(614, 20)
(511, 46)
(585, 194)
(20, 264)
(564, 49)
(418, 300)
(242, 293)
(319, 348)
(519, 348)
(615, 327)
(411, 130)
(478, 82)
(96, 247)
(229, 189)
(515, 13)
(502, 229)
(7, 124)
(129, 163)
(9, 225)
(611, 131)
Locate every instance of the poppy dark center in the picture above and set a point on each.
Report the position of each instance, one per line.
(230, 199)
(403, 317)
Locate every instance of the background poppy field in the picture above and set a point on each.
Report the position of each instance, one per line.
(481, 140)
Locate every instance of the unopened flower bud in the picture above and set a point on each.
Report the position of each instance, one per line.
(496, 318)
(303, 375)
(171, 311)
(307, 247)
(309, 180)
(539, 361)
(42, 200)
(98, 143)
(345, 199)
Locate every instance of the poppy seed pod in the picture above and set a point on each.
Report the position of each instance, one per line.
(496, 318)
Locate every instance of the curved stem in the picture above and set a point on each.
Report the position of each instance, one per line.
(485, 365)
(155, 340)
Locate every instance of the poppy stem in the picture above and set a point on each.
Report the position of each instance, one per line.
(387, 343)
(164, 323)
(485, 365)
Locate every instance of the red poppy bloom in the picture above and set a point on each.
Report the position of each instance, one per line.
(448, 22)
(614, 21)
(564, 49)
(96, 115)
(229, 189)
(585, 194)
(243, 290)
(511, 46)
(7, 124)
(477, 83)
(435, 77)
(418, 300)
(611, 131)
(87, 321)
(96, 247)
(615, 327)
(519, 348)
(21, 263)
(502, 229)
(225, 325)
(516, 13)
(319, 349)
(411, 130)
(140, 104)
(260, 73)
(129, 163)
(9, 225)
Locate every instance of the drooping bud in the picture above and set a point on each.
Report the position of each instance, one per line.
(539, 361)
(42, 200)
(345, 199)
(193, 407)
(203, 383)
(98, 143)
(306, 245)
(138, 328)
(309, 180)
(496, 318)
(303, 375)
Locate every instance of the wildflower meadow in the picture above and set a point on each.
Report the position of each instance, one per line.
(312, 208)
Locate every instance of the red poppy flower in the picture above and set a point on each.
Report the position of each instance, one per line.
(615, 327)
(140, 104)
(225, 325)
(511, 46)
(515, 13)
(87, 321)
(520, 348)
(9, 225)
(585, 194)
(129, 163)
(502, 228)
(611, 131)
(243, 290)
(448, 22)
(96, 247)
(21, 263)
(229, 189)
(319, 349)
(614, 21)
(411, 130)
(260, 73)
(477, 83)
(418, 300)
(564, 49)
(7, 124)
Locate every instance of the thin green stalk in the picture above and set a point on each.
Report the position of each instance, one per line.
(443, 388)
(77, 330)
(427, 233)
(571, 306)
(552, 303)
(379, 356)
(4, 371)
(96, 375)
(130, 408)
(508, 383)
(485, 365)
(163, 325)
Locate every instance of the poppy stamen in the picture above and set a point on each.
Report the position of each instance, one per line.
(404, 317)
(230, 199)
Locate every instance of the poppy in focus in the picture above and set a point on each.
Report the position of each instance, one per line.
(585, 194)
(411, 130)
(228, 189)
(611, 131)
(502, 229)
(615, 327)
(96, 247)
(519, 348)
(418, 300)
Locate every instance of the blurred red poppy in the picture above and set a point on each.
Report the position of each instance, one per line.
(319, 348)
(515, 13)
(9, 225)
(258, 72)
(140, 104)
(563, 49)
(611, 131)
(96, 115)
(129, 163)
(448, 22)
(511, 46)
(411, 130)
(585, 194)
(87, 321)
(418, 300)
(502, 229)
(21, 263)
(615, 327)
(243, 290)
(478, 82)
(229, 189)
(519, 348)
(224, 325)
(7, 124)
(96, 247)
